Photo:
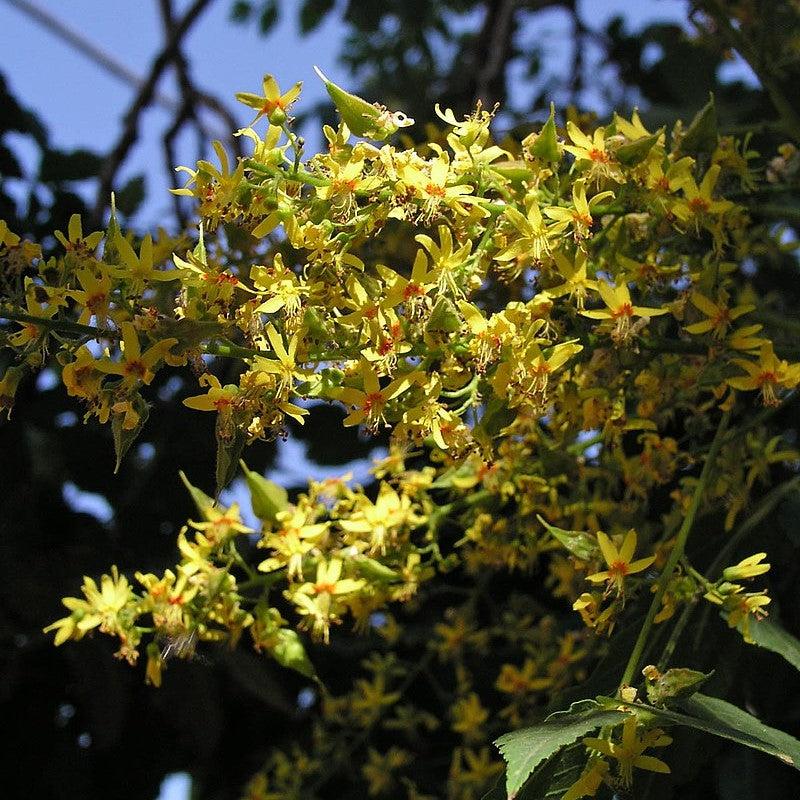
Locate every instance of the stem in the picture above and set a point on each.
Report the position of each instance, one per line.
(229, 350)
(676, 553)
(764, 509)
(295, 175)
(766, 506)
(61, 325)
(675, 635)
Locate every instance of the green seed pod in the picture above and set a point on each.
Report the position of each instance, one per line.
(361, 117)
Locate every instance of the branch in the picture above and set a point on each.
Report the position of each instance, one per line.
(676, 552)
(143, 99)
(61, 325)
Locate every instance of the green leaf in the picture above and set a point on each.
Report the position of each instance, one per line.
(361, 117)
(76, 165)
(229, 448)
(199, 251)
(374, 571)
(312, 13)
(578, 543)
(110, 250)
(701, 136)
(496, 416)
(635, 152)
(266, 496)
(444, 317)
(203, 502)
(123, 439)
(767, 633)
(674, 684)
(553, 777)
(241, 10)
(546, 144)
(131, 195)
(268, 16)
(289, 652)
(723, 719)
(525, 749)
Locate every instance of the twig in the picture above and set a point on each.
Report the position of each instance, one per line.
(676, 552)
(143, 99)
(61, 325)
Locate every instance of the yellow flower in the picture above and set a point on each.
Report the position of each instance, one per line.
(296, 536)
(272, 104)
(718, 316)
(130, 417)
(368, 405)
(94, 296)
(770, 375)
(218, 398)
(140, 270)
(380, 767)
(320, 601)
(346, 181)
(592, 154)
(525, 377)
(101, 607)
(37, 304)
(135, 366)
(448, 262)
(579, 217)
(746, 568)
(620, 310)
(285, 366)
(433, 189)
(515, 681)
(619, 561)
(381, 520)
(634, 129)
(221, 524)
(533, 245)
(590, 780)
(469, 717)
(740, 608)
(371, 699)
(628, 752)
(576, 283)
(745, 339)
(8, 388)
(74, 241)
(215, 187)
(698, 201)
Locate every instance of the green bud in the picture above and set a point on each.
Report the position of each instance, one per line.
(545, 146)
(266, 496)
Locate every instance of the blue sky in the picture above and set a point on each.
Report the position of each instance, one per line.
(83, 106)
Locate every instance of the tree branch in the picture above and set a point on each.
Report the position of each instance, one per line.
(142, 100)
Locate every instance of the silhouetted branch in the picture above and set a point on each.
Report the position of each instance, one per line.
(142, 100)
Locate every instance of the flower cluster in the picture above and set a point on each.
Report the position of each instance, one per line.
(526, 319)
